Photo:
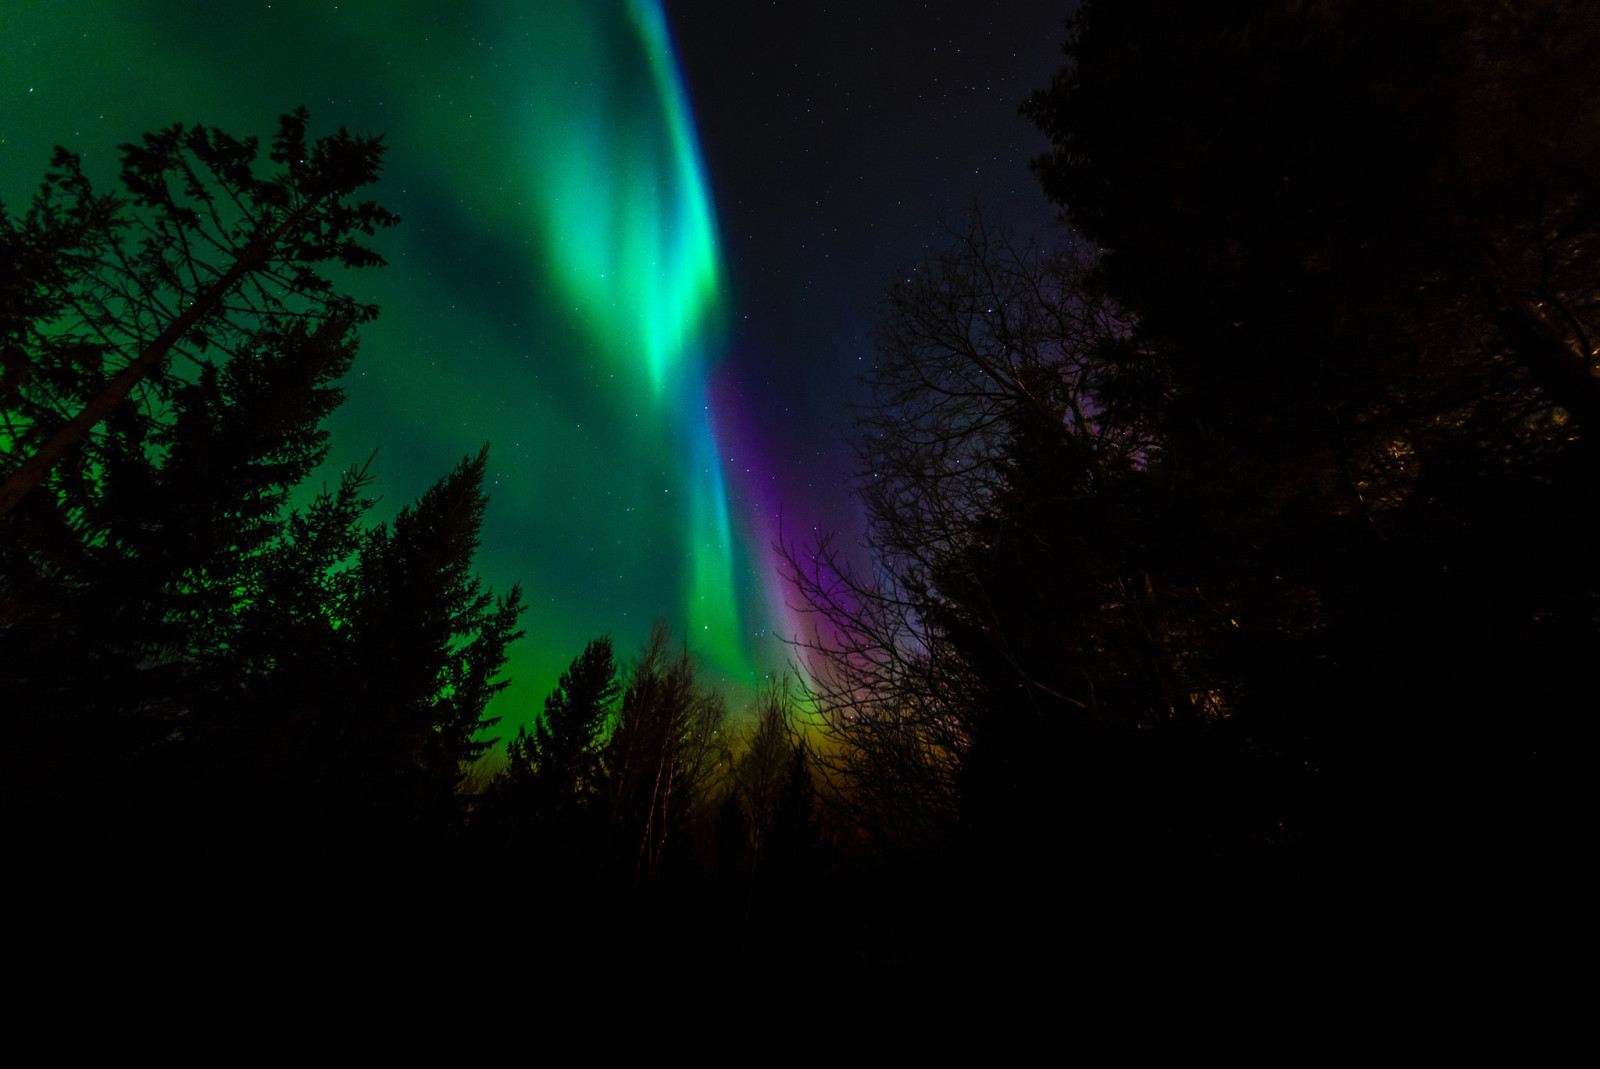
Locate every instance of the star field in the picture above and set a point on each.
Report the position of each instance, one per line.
(640, 255)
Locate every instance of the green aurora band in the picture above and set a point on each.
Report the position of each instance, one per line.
(555, 289)
(626, 214)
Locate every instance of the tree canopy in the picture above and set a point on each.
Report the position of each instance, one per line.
(172, 633)
(1247, 524)
(1227, 555)
(222, 256)
(1358, 241)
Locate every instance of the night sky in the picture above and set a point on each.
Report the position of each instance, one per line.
(641, 254)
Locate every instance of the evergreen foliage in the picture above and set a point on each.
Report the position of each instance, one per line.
(1215, 574)
(1256, 535)
(554, 774)
(181, 648)
(200, 260)
(1363, 265)
(664, 756)
(1021, 619)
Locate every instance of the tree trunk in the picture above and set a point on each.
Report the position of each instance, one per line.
(36, 468)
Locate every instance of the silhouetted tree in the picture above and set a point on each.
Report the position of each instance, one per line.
(1362, 262)
(123, 578)
(793, 836)
(118, 574)
(1366, 219)
(662, 760)
(1014, 612)
(759, 772)
(553, 775)
(179, 648)
(222, 255)
(766, 834)
(425, 643)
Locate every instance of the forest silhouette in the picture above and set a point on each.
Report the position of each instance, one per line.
(1230, 583)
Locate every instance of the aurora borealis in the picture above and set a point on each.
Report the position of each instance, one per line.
(639, 254)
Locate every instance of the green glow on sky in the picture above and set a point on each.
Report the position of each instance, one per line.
(554, 289)
(621, 194)
(626, 216)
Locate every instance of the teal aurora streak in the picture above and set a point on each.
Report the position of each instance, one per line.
(555, 288)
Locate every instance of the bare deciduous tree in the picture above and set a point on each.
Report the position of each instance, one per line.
(985, 426)
(664, 756)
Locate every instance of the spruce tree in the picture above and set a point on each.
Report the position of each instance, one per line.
(554, 772)
(131, 518)
(423, 642)
(201, 257)
(179, 649)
